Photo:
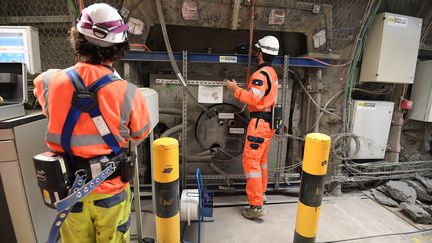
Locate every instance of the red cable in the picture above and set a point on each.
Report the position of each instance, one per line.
(251, 33)
(81, 5)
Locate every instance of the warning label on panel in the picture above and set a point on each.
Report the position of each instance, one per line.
(228, 59)
(237, 130)
(226, 115)
(397, 21)
(364, 104)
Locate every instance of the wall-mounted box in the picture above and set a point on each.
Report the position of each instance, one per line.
(371, 122)
(20, 44)
(421, 93)
(391, 49)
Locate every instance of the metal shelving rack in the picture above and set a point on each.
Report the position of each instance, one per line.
(185, 167)
(215, 58)
(279, 162)
(186, 58)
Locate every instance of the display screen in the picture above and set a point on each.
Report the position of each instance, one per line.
(12, 47)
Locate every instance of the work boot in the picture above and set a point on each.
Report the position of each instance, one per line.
(252, 212)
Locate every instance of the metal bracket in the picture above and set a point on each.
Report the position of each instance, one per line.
(184, 124)
(195, 82)
(200, 82)
(279, 162)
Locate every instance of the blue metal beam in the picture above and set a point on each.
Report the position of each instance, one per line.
(215, 58)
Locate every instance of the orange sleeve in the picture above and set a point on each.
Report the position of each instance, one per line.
(140, 119)
(256, 90)
(38, 92)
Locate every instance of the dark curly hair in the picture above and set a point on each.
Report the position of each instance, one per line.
(95, 54)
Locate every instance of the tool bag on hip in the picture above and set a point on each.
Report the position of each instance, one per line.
(55, 173)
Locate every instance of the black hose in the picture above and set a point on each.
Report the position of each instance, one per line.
(196, 158)
(170, 111)
(172, 131)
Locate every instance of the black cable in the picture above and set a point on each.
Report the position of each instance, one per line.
(378, 236)
(173, 61)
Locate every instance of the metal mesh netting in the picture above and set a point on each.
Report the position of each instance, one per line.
(53, 21)
(346, 17)
(51, 18)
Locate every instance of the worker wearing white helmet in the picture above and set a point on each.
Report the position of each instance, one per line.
(116, 112)
(268, 45)
(260, 96)
(102, 25)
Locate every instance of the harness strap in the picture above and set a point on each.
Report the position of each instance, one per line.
(85, 101)
(269, 84)
(84, 190)
(77, 192)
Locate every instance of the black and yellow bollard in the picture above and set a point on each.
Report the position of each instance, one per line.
(166, 180)
(315, 161)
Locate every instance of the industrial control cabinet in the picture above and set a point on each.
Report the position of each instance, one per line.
(371, 123)
(20, 44)
(391, 49)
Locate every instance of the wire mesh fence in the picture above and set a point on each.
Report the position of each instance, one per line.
(346, 16)
(53, 20)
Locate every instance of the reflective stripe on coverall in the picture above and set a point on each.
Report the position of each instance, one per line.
(260, 97)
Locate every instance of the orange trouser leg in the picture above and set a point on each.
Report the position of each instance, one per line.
(257, 140)
(264, 166)
(252, 171)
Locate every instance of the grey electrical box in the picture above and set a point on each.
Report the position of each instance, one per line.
(421, 93)
(21, 44)
(391, 49)
(371, 122)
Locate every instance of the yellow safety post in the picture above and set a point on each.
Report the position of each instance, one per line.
(315, 161)
(166, 180)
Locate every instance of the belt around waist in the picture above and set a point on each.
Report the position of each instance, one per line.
(266, 116)
(80, 163)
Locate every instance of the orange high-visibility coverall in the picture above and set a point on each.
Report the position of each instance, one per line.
(261, 96)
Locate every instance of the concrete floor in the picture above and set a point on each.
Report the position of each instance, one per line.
(346, 217)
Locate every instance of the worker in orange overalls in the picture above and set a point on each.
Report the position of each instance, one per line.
(260, 96)
(99, 40)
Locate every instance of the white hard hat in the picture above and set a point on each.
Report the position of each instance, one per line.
(102, 25)
(269, 45)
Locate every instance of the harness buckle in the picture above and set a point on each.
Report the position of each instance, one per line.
(84, 101)
(111, 163)
(81, 172)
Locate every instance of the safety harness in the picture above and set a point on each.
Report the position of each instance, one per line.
(84, 100)
(266, 116)
(274, 117)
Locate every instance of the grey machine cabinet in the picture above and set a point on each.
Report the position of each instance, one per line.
(20, 140)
